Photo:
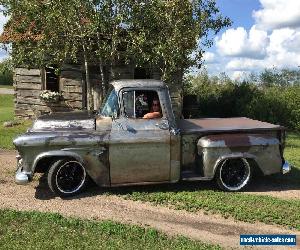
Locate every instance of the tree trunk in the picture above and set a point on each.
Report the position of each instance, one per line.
(102, 78)
(88, 82)
(101, 69)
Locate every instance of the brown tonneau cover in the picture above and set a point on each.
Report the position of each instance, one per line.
(190, 126)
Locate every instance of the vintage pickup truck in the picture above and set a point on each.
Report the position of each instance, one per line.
(118, 146)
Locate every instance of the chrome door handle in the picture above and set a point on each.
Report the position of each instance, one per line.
(163, 125)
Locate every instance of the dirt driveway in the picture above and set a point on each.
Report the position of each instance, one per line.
(4, 91)
(95, 205)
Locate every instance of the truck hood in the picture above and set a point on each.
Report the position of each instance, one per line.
(63, 121)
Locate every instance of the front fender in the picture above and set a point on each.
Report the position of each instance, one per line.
(95, 161)
(55, 153)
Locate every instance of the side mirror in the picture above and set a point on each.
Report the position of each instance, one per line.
(114, 115)
(175, 131)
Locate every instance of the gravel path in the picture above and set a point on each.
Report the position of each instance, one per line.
(95, 205)
(6, 91)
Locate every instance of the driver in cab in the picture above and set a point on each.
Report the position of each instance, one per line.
(155, 110)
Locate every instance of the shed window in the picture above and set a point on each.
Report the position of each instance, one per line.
(141, 73)
(51, 79)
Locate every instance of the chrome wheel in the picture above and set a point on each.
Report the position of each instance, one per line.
(67, 177)
(234, 174)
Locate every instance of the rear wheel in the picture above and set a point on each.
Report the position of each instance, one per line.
(233, 174)
(67, 177)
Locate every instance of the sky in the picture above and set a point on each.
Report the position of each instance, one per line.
(264, 34)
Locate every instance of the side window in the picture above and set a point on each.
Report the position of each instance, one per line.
(141, 104)
(128, 102)
(110, 106)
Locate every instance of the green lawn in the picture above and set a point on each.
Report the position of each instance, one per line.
(6, 86)
(34, 230)
(7, 114)
(292, 150)
(6, 108)
(240, 206)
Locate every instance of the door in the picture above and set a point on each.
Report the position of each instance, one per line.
(139, 148)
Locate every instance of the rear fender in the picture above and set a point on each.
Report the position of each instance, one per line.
(262, 148)
(232, 156)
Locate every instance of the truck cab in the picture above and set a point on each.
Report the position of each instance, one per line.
(142, 150)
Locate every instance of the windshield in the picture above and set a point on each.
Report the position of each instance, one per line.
(110, 106)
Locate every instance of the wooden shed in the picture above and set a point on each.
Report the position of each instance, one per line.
(29, 83)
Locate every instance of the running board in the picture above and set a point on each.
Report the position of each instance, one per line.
(196, 178)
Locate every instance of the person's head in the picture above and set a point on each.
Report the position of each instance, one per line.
(155, 105)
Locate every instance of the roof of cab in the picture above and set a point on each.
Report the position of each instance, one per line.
(140, 83)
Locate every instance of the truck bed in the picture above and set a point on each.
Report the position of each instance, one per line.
(204, 125)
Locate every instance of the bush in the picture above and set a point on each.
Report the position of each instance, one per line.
(275, 104)
(6, 72)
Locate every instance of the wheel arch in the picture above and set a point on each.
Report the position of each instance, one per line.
(43, 161)
(251, 159)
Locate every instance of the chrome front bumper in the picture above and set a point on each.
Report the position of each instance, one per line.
(286, 167)
(22, 177)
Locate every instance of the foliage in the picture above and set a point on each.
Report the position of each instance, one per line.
(171, 34)
(6, 86)
(275, 77)
(158, 32)
(6, 72)
(36, 230)
(222, 97)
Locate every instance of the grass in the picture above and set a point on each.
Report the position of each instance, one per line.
(6, 107)
(7, 114)
(240, 206)
(6, 86)
(292, 150)
(35, 230)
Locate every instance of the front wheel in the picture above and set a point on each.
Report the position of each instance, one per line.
(67, 177)
(233, 174)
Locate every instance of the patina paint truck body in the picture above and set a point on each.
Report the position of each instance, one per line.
(116, 147)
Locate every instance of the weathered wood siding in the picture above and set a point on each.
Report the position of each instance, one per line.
(28, 84)
(71, 86)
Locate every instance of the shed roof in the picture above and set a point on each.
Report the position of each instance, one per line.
(140, 83)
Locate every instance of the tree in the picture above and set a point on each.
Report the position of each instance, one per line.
(170, 33)
(279, 77)
(6, 72)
